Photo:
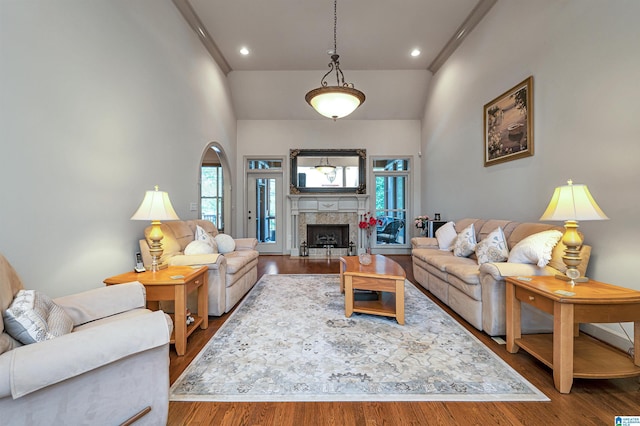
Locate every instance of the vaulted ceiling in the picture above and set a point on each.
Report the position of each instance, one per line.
(288, 43)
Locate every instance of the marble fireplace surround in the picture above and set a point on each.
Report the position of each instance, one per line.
(327, 209)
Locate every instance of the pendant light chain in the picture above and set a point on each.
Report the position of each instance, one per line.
(335, 26)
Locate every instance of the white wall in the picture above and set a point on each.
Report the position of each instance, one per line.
(583, 56)
(277, 137)
(100, 101)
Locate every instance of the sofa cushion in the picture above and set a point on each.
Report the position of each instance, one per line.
(33, 317)
(425, 254)
(493, 248)
(467, 271)
(536, 248)
(446, 236)
(225, 243)
(441, 263)
(7, 343)
(465, 242)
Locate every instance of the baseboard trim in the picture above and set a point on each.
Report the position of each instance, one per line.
(619, 340)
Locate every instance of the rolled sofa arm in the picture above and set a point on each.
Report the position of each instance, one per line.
(212, 261)
(246, 243)
(499, 270)
(424, 242)
(102, 302)
(79, 352)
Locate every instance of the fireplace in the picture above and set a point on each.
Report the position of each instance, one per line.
(328, 234)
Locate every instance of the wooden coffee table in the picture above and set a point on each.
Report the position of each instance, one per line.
(174, 284)
(382, 275)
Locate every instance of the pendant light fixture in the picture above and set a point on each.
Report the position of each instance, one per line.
(325, 167)
(342, 99)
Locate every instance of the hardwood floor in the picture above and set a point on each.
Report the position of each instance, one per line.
(591, 402)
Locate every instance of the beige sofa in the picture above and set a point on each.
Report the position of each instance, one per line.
(113, 365)
(477, 292)
(231, 275)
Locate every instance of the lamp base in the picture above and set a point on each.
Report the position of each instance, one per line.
(160, 266)
(572, 280)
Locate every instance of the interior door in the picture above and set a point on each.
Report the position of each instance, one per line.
(265, 220)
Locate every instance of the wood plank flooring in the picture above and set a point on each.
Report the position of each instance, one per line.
(591, 402)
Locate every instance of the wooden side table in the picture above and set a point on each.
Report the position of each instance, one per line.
(566, 351)
(174, 284)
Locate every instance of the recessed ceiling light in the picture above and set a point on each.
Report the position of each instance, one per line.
(415, 52)
(244, 51)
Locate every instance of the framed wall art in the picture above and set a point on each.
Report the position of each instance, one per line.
(508, 125)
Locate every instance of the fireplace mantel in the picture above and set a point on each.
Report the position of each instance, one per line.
(356, 203)
(301, 204)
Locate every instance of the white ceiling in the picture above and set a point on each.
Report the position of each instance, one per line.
(288, 42)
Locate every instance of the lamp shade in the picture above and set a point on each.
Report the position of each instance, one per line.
(335, 101)
(573, 202)
(155, 206)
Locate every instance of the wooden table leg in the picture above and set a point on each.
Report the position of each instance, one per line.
(348, 295)
(343, 266)
(636, 344)
(203, 301)
(514, 327)
(563, 346)
(400, 301)
(180, 315)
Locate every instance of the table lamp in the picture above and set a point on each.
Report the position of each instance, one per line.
(572, 203)
(155, 207)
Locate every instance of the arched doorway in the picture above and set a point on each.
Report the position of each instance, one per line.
(215, 187)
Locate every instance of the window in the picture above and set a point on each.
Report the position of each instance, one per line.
(211, 195)
(391, 188)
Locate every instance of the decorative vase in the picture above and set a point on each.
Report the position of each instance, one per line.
(364, 258)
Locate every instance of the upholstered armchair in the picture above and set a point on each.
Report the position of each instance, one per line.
(104, 361)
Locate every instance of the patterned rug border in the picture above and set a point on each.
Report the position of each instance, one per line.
(535, 396)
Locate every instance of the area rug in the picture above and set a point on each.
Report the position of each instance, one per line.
(289, 340)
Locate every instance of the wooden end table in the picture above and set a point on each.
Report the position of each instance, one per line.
(383, 275)
(566, 351)
(174, 284)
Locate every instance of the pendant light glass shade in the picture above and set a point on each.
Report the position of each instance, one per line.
(335, 101)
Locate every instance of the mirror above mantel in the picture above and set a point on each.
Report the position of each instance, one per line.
(328, 171)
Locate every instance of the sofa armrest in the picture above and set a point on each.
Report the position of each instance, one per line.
(424, 242)
(246, 243)
(102, 302)
(212, 261)
(499, 270)
(79, 352)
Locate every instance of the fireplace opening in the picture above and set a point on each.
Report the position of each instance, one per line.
(323, 235)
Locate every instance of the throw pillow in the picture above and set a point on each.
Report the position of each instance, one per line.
(198, 247)
(465, 242)
(33, 317)
(493, 248)
(446, 236)
(202, 235)
(226, 244)
(535, 249)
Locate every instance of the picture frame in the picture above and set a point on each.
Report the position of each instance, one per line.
(508, 125)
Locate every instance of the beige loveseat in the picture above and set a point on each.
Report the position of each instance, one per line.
(231, 275)
(477, 292)
(111, 366)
